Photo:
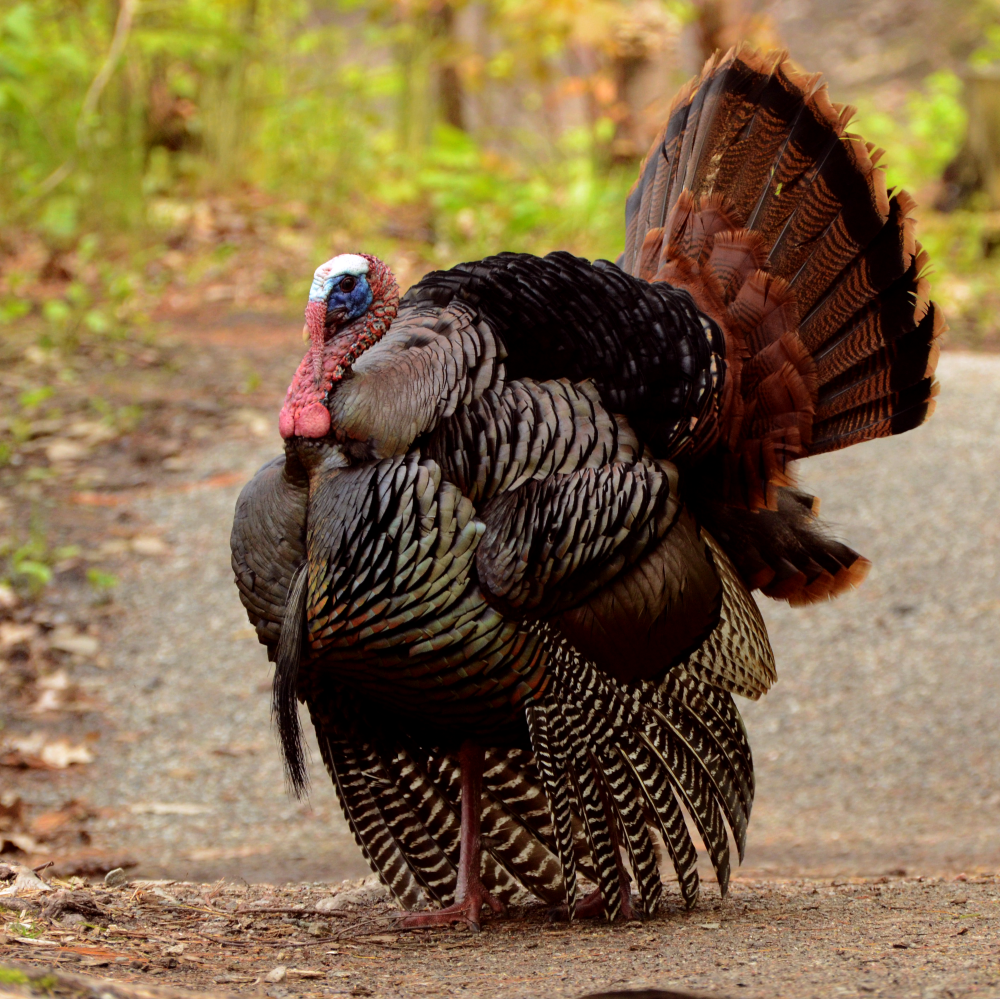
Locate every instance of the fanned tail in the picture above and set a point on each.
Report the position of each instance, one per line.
(758, 200)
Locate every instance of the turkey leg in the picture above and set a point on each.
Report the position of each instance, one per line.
(470, 895)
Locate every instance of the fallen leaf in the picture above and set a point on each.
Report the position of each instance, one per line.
(167, 808)
(32, 749)
(14, 938)
(65, 450)
(8, 598)
(68, 639)
(149, 545)
(26, 881)
(20, 841)
(12, 634)
(93, 431)
(55, 681)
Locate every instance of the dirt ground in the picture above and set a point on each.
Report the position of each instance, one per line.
(777, 938)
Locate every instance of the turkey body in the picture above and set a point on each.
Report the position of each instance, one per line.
(548, 488)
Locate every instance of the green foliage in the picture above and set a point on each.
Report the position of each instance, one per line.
(331, 103)
(479, 201)
(325, 117)
(28, 567)
(25, 929)
(11, 976)
(101, 581)
(922, 137)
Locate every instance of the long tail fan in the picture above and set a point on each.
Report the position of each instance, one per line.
(758, 201)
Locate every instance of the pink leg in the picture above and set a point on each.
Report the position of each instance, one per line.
(470, 894)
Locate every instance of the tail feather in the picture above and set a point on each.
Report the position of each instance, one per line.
(759, 202)
(610, 762)
(340, 750)
(665, 812)
(612, 718)
(627, 793)
(785, 552)
(591, 791)
(512, 853)
(716, 711)
(550, 760)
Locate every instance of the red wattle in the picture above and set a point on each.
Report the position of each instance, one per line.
(312, 420)
(286, 423)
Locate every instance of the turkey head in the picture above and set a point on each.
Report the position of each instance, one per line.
(352, 301)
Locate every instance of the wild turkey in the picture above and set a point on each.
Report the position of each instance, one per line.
(506, 558)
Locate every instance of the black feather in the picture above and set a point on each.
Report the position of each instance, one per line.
(284, 690)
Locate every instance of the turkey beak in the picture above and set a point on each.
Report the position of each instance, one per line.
(334, 317)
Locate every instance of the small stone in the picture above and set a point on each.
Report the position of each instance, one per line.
(318, 929)
(371, 890)
(275, 975)
(116, 878)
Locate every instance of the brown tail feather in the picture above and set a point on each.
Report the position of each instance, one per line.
(785, 552)
(758, 201)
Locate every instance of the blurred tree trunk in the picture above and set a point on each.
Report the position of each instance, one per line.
(448, 81)
(976, 168)
(717, 26)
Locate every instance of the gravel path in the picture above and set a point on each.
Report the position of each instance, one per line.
(877, 750)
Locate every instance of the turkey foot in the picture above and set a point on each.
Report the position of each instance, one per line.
(592, 906)
(470, 894)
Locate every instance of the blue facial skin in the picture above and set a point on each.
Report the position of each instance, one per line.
(345, 306)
